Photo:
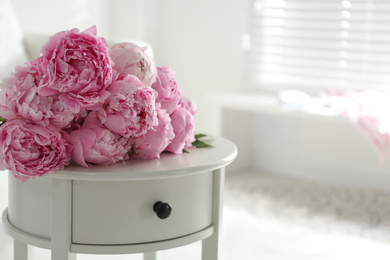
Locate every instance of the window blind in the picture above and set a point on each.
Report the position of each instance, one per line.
(318, 44)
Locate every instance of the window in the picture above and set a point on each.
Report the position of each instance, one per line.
(317, 44)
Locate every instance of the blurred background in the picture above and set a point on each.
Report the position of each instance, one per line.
(257, 70)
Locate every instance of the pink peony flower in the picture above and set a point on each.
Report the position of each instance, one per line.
(168, 92)
(29, 150)
(93, 143)
(131, 108)
(131, 59)
(187, 104)
(184, 129)
(77, 67)
(154, 142)
(19, 98)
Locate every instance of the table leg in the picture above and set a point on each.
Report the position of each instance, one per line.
(150, 256)
(210, 248)
(211, 245)
(61, 220)
(20, 250)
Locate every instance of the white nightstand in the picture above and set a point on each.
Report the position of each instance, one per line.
(135, 206)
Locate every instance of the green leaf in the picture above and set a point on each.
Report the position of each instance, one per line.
(197, 136)
(2, 120)
(199, 143)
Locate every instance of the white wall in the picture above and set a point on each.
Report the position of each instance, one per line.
(46, 17)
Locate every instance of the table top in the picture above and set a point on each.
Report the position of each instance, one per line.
(169, 165)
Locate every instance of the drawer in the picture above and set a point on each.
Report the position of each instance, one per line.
(121, 212)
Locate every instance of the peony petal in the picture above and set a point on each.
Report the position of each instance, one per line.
(116, 123)
(77, 153)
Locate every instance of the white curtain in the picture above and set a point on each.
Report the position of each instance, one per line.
(318, 44)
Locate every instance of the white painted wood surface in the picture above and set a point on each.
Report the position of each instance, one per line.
(61, 234)
(121, 212)
(211, 245)
(20, 250)
(168, 166)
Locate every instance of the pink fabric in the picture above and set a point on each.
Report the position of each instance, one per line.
(369, 111)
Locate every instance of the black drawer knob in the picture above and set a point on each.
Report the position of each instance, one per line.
(163, 210)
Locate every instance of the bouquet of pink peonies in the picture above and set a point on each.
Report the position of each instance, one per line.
(85, 101)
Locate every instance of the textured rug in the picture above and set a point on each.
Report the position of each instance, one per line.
(273, 217)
